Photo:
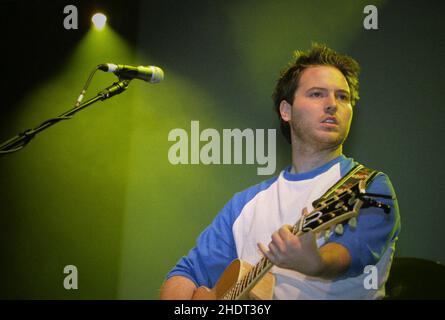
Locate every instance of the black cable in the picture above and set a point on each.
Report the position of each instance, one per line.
(85, 87)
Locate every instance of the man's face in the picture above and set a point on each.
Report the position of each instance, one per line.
(321, 113)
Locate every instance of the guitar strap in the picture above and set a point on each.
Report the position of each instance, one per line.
(356, 174)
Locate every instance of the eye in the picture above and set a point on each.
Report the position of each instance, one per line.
(316, 94)
(343, 97)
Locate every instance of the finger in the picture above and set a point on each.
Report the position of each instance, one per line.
(308, 236)
(274, 250)
(266, 253)
(278, 241)
(305, 212)
(273, 254)
(264, 250)
(289, 239)
(284, 232)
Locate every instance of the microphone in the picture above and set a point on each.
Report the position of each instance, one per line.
(150, 73)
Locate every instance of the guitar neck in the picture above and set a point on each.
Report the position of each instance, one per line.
(249, 280)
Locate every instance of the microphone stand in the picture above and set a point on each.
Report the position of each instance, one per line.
(22, 139)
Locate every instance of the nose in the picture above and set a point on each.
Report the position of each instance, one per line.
(331, 104)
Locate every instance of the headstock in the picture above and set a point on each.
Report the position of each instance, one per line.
(341, 206)
(344, 204)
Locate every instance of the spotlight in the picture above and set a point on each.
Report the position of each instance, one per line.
(99, 20)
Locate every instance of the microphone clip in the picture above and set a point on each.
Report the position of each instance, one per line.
(114, 89)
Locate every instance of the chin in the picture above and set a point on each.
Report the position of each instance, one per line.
(332, 141)
(330, 136)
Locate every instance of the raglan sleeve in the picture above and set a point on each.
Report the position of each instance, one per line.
(375, 230)
(213, 252)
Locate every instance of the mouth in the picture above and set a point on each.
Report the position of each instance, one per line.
(330, 121)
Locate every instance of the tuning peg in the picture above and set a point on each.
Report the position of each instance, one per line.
(326, 235)
(352, 200)
(339, 205)
(339, 229)
(352, 222)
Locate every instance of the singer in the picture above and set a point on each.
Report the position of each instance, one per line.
(314, 99)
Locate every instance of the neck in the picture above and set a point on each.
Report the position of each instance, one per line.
(305, 158)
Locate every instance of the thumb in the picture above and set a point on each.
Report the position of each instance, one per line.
(305, 212)
(288, 227)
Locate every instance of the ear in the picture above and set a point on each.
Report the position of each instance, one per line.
(285, 110)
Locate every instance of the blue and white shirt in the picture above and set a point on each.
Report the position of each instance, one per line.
(252, 216)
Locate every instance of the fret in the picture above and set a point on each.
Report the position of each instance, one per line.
(243, 284)
(251, 275)
(237, 288)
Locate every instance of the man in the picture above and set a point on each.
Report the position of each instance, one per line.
(314, 98)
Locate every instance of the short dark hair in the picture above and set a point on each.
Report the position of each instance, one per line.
(319, 54)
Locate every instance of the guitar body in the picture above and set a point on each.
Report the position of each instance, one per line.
(263, 290)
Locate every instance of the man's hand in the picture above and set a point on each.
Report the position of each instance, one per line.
(291, 252)
(302, 254)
